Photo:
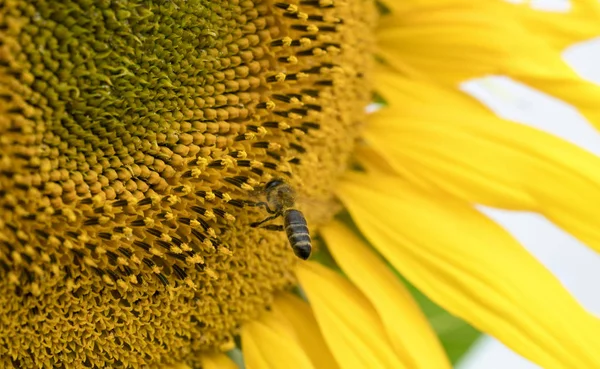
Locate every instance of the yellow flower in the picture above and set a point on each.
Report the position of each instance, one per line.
(136, 139)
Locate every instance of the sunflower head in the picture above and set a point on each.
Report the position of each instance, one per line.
(134, 137)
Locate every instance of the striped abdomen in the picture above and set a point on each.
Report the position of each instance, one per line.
(297, 232)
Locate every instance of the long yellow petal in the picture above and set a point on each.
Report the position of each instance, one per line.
(458, 40)
(349, 324)
(379, 162)
(472, 154)
(414, 96)
(580, 22)
(397, 11)
(464, 40)
(410, 333)
(560, 29)
(269, 343)
(301, 318)
(474, 269)
(218, 361)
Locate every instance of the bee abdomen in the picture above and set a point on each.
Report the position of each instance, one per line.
(295, 225)
(297, 232)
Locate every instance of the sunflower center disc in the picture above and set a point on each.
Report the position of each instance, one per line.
(131, 135)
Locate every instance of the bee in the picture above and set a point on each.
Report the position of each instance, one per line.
(280, 202)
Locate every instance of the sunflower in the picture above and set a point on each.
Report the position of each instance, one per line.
(137, 138)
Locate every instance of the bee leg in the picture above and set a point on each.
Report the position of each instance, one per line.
(261, 203)
(256, 224)
(273, 227)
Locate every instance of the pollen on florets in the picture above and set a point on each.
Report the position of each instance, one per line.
(133, 135)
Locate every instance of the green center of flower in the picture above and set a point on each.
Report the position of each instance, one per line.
(133, 137)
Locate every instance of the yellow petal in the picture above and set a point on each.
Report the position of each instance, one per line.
(379, 162)
(413, 339)
(474, 155)
(396, 11)
(367, 156)
(348, 322)
(218, 361)
(301, 318)
(456, 41)
(463, 40)
(416, 97)
(269, 343)
(580, 22)
(474, 269)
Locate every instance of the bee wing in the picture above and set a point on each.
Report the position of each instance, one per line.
(317, 210)
(258, 194)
